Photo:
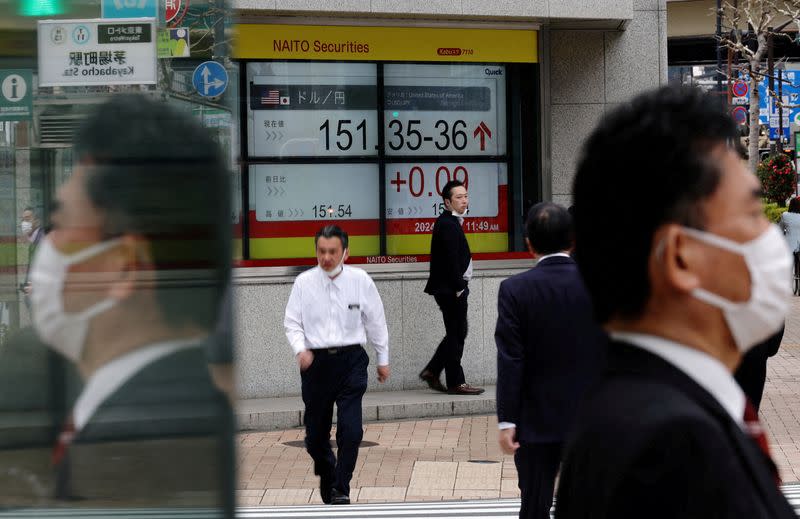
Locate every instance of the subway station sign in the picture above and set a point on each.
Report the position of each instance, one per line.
(97, 52)
(355, 43)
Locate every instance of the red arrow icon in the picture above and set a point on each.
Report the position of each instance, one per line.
(484, 132)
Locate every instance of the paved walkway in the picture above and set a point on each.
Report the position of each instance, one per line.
(458, 457)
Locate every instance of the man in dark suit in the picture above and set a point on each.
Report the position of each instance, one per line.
(751, 375)
(149, 427)
(549, 350)
(685, 288)
(448, 283)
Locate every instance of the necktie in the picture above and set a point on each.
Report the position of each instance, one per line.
(64, 439)
(756, 432)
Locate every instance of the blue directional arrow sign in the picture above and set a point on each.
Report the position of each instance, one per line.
(210, 79)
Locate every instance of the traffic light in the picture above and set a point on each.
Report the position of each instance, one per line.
(40, 7)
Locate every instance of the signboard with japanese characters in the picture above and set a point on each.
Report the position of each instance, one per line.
(312, 109)
(292, 192)
(444, 110)
(97, 52)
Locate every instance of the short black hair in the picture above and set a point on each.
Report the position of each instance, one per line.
(447, 190)
(654, 149)
(794, 204)
(156, 172)
(549, 228)
(332, 231)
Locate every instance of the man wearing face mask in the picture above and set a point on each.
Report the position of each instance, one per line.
(149, 426)
(32, 230)
(684, 289)
(333, 310)
(448, 283)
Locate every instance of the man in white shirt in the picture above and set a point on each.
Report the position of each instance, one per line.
(333, 310)
(685, 287)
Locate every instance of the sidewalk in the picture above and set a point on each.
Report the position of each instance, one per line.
(458, 457)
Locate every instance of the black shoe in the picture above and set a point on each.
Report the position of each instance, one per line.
(325, 487)
(432, 381)
(466, 389)
(337, 498)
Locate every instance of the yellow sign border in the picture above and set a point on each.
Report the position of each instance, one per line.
(358, 43)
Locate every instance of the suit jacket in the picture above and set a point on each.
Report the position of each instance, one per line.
(450, 257)
(549, 349)
(752, 371)
(650, 442)
(164, 436)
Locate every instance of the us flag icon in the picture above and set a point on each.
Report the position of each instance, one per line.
(272, 98)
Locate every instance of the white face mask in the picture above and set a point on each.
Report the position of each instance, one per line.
(335, 271)
(62, 331)
(770, 265)
(26, 227)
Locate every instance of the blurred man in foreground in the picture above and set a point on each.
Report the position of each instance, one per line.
(685, 288)
(149, 426)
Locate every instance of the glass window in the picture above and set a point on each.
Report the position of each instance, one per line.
(117, 137)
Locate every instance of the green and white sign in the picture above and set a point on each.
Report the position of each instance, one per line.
(16, 95)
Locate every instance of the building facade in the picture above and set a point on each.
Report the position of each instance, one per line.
(355, 112)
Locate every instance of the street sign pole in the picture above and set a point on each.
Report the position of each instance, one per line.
(780, 107)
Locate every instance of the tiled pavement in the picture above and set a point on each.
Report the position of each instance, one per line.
(458, 458)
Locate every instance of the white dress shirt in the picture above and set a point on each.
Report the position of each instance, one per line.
(467, 276)
(510, 425)
(113, 375)
(705, 370)
(325, 313)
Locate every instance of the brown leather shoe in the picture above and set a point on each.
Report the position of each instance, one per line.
(432, 381)
(466, 389)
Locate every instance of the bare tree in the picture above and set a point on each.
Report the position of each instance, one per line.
(748, 27)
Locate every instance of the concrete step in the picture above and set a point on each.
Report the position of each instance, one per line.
(264, 414)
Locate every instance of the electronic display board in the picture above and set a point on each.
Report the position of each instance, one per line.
(440, 122)
(414, 201)
(312, 109)
(444, 110)
(290, 202)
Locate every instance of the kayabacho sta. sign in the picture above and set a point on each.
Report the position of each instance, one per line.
(97, 52)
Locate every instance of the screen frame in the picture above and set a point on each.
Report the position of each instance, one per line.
(517, 155)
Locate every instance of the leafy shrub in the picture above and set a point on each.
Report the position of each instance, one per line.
(778, 178)
(773, 211)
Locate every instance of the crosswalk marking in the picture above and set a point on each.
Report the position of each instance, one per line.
(484, 509)
(488, 509)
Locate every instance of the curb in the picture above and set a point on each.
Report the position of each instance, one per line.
(267, 414)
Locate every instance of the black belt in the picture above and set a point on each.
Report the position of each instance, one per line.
(337, 349)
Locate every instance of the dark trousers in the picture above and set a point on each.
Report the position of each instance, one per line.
(537, 466)
(448, 353)
(340, 378)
